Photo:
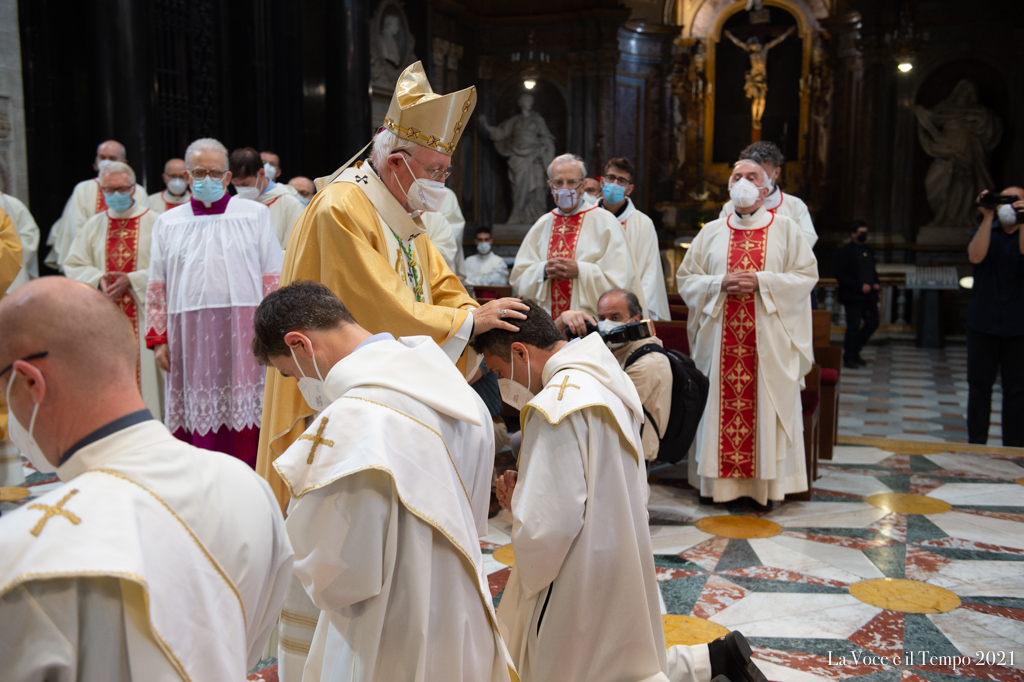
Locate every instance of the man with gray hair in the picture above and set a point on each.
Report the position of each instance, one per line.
(212, 261)
(86, 201)
(770, 158)
(111, 253)
(574, 253)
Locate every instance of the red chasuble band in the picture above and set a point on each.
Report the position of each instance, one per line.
(122, 256)
(737, 446)
(565, 234)
(101, 202)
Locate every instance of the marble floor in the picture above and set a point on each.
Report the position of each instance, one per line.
(911, 393)
(900, 568)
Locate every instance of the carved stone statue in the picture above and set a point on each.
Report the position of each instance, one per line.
(391, 46)
(527, 143)
(958, 133)
(756, 85)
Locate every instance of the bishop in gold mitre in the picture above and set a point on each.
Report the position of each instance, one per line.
(362, 236)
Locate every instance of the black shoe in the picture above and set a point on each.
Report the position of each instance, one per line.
(730, 659)
(861, 361)
(706, 500)
(851, 364)
(757, 506)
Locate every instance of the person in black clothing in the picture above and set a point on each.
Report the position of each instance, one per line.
(995, 322)
(858, 292)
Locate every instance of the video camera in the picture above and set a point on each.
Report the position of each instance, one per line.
(992, 201)
(634, 331)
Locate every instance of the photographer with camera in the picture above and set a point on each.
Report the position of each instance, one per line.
(995, 316)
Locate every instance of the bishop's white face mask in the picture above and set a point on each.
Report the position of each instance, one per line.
(744, 193)
(424, 194)
(513, 392)
(312, 390)
(251, 193)
(23, 439)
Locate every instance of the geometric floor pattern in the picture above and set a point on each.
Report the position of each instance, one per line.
(911, 393)
(790, 594)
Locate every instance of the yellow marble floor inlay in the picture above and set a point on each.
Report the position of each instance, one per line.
(13, 493)
(906, 503)
(1020, 481)
(690, 630)
(505, 555)
(906, 596)
(742, 527)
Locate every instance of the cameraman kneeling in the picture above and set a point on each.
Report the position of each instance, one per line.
(995, 317)
(651, 373)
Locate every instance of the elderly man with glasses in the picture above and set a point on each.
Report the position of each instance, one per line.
(211, 263)
(574, 253)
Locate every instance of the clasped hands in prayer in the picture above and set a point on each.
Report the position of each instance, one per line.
(561, 268)
(740, 283)
(504, 487)
(113, 284)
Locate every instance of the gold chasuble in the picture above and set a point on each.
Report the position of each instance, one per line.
(738, 414)
(360, 242)
(565, 234)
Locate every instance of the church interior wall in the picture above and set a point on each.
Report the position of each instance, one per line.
(13, 167)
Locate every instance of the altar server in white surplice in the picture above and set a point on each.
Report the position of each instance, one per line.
(582, 600)
(28, 234)
(111, 253)
(397, 465)
(155, 560)
(86, 200)
(746, 280)
(486, 268)
(576, 252)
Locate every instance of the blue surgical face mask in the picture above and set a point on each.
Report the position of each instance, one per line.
(117, 202)
(207, 190)
(613, 193)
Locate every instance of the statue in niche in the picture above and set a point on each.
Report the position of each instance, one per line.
(756, 85)
(958, 133)
(527, 143)
(391, 46)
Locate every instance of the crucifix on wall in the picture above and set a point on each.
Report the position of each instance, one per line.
(755, 86)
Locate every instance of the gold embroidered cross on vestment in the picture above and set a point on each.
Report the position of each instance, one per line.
(565, 385)
(318, 440)
(56, 510)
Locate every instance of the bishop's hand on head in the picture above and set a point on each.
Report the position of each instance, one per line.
(495, 315)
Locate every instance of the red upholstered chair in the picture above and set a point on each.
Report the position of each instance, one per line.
(810, 402)
(830, 359)
(485, 294)
(680, 313)
(673, 335)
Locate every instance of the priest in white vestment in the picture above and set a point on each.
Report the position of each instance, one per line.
(649, 277)
(28, 234)
(746, 280)
(155, 560)
(582, 600)
(211, 262)
(440, 232)
(111, 253)
(770, 158)
(176, 188)
(573, 254)
(86, 200)
(398, 463)
(250, 180)
(485, 268)
(452, 212)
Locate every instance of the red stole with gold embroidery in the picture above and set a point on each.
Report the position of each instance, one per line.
(101, 202)
(565, 235)
(122, 256)
(737, 445)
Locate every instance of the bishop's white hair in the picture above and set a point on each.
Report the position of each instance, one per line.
(205, 144)
(767, 180)
(568, 158)
(117, 167)
(385, 144)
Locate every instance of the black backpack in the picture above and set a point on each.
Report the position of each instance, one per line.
(689, 396)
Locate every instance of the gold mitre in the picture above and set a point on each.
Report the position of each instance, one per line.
(418, 114)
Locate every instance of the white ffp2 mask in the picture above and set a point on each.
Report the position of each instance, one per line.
(23, 439)
(513, 392)
(744, 193)
(312, 390)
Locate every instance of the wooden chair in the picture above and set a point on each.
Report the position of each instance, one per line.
(830, 359)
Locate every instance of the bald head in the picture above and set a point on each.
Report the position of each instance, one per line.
(90, 342)
(111, 150)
